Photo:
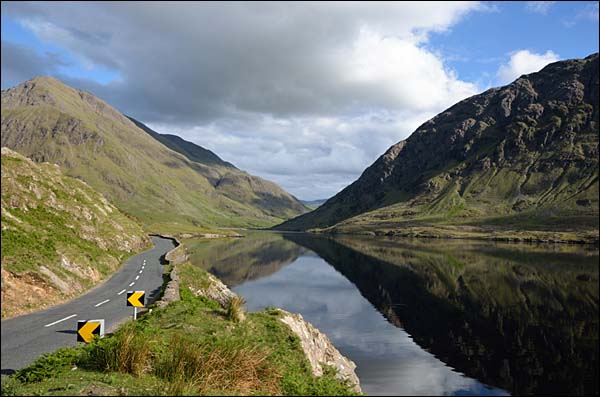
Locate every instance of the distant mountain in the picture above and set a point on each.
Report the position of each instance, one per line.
(59, 236)
(190, 150)
(164, 181)
(519, 157)
(313, 203)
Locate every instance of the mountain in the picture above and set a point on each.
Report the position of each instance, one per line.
(164, 181)
(313, 203)
(519, 157)
(192, 151)
(59, 236)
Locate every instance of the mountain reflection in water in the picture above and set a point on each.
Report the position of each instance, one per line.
(522, 318)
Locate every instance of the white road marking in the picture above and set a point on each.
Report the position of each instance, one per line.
(56, 322)
(121, 292)
(101, 303)
(141, 271)
(132, 283)
(136, 277)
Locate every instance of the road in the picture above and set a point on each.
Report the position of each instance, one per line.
(26, 337)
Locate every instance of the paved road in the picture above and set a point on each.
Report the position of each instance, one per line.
(25, 338)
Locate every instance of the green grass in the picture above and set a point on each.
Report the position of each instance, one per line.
(188, 347)
(48, 218)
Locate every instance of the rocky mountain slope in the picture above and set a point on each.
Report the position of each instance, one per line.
(519, 157)
(59, 236)
(164, 181)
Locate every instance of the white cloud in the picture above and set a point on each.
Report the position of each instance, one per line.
(539, 7)
(589, 12)
(289, 91)
(524, 62)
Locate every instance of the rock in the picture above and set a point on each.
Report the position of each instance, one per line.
(319, 350)
(217, 291)
(171, 293)
(176, 255)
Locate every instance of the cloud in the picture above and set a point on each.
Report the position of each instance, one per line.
(587, 13)
(539, 7)
(387, 357)
(281, 90)
(20, 63)
(524, 62)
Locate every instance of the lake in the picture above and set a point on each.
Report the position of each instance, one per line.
(430, 317)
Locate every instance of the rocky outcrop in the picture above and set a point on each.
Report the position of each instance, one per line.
(216, 291)
(319, 350)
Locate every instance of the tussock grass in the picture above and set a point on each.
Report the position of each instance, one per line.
(206, 368)
(235, 309)
(128, 352)
(186, 365)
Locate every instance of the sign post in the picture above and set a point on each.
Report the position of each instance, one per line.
(136, 299)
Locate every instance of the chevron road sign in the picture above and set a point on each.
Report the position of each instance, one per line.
(89, 329)
(136, 298)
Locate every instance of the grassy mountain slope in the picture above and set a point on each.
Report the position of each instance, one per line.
(232, 182)
(59, 236)
(49, 121)
(519, 157)
(191, 151)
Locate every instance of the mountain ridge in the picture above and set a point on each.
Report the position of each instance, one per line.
(47, 120)
(527, 147)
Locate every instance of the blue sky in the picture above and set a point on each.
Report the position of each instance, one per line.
(306, 95)
(476, 46)
(15, 32)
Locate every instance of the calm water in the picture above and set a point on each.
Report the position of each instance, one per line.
(430, 317)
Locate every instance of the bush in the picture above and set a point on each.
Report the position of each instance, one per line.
(49, 365)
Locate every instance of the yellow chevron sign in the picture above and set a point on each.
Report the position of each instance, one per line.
(88, 330)
(136, 298)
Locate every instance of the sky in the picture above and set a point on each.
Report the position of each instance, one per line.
(304, 94)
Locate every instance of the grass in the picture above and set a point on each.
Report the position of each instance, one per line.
(51, 220)
(235, 309)
(189, 347)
